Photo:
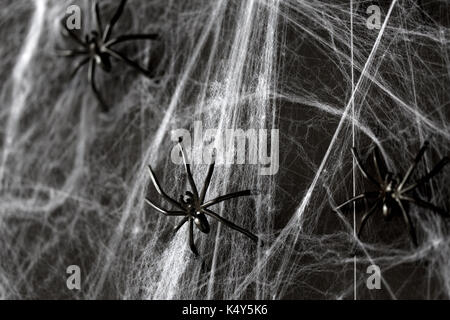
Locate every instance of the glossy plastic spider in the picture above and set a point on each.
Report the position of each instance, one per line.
(193, 207)
(392, 194)
(97, 48)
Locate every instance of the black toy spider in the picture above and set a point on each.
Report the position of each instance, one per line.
(392, 194)
(193, 206)
(97, 48)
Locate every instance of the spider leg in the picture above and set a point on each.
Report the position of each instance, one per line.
(230, 224)
(207, 182)
(163, 211)
(128, 37)
(191, 238)
(129, 62)
(79, 66)
(425, 16)
(427, 205)
(98, 18)
(91, 77)
(414, 164)
(161, 191)
(409, 224)
(110, 26)
(187, 167)
(362, 169)
(71, 53)
(379, 163)
(66, 31)
(429, 175)
(182, 222)
(366, 217)
(229, 196)
(356, 198)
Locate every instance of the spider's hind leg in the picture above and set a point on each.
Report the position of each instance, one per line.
(207, 182)
(163, 211)
(65, 31)
(78, 67)
(229, 196)
(414, 164)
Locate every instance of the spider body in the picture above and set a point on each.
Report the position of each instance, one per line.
(394, 194)
(192, 206)
(97, 51)
(97, 48)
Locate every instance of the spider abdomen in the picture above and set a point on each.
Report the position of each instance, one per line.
(201, 222)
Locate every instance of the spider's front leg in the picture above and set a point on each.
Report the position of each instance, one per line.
(65, 31)
(379, 162)
(441, 164)
(409, 223)
(130, 37)
(161, 191)
(229, 196)
(414, 164)
(110, 26)
(187, 167)
(207, 182)
(96, 12)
